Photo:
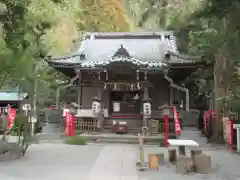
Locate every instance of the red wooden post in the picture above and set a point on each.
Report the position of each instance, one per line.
(166, 130)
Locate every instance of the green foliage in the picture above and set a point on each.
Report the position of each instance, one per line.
(209, 28)
(101, 16)
(75, 140)
(29, 30)
(19, 124)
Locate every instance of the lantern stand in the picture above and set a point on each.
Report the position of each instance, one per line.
(96, 110)
(146, 116)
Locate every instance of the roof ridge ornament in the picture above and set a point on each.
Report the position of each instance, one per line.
(122, 52)
(82, 56)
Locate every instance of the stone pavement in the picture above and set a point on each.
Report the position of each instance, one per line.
(116, 162)
(106, 162)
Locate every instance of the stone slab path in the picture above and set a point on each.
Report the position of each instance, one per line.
(61, 162)
(116, 162)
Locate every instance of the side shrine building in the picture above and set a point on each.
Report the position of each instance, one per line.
(127, 78)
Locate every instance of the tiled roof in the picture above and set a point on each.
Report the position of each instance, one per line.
(12, 96)
(146, 48)
(92, 64)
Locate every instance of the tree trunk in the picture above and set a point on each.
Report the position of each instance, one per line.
(222, 79)
(219, 92)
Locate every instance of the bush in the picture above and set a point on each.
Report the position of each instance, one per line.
(20, 120)
(75, 140)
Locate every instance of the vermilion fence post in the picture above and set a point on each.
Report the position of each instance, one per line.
(166, 130)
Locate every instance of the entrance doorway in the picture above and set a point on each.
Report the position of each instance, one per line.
(125, 102)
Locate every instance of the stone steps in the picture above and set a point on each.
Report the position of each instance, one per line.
(192, 133)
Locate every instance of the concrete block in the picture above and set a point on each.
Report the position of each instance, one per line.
(202, 163)
(172, 155)
(184, 165)
(161, 159)
(153, 162)
(195, 152)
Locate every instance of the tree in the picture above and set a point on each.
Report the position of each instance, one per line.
(209, 28)
(22, 47)
(101, 16)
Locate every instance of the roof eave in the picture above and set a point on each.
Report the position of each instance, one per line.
(186, 57)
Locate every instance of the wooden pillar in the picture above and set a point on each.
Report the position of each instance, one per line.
(145, 98)
(100, 119)
(170, 94)
(79, 90)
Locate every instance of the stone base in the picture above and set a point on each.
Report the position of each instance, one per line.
(184, 165)
(161, 159)
(202, 163)
(195, 152)
(172, 155)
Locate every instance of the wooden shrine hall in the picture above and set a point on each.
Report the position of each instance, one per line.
(127, 78)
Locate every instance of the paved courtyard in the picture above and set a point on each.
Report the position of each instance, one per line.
(105, 162)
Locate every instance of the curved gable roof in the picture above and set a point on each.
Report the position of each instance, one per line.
(145, 47)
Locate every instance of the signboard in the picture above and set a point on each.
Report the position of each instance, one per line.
(226, 128)
(32, 119)
(116, 107)
(26, 107)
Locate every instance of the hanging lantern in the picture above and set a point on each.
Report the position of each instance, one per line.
(147, 109)
(138, 86)
(96, 107)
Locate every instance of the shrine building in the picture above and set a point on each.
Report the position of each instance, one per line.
(131, 76)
